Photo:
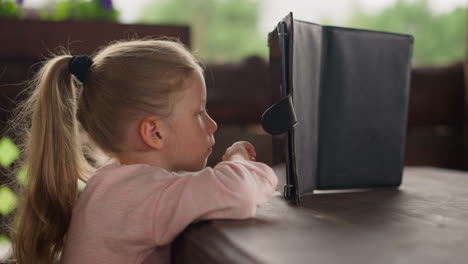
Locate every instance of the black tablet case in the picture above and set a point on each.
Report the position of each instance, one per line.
(344, 107)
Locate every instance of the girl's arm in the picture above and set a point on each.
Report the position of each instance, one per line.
(232, 189)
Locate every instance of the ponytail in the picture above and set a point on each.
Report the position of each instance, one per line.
(54, 162)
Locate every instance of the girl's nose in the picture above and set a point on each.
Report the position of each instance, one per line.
(213, 125)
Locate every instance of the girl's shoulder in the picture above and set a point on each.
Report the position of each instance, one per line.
(115, 171)
(115, 166)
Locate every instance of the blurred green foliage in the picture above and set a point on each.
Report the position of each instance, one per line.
(9, 8)
(222, 30)
(227, 29)
(438, 39)
(79, 10)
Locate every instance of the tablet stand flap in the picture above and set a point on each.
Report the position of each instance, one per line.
(280, 117)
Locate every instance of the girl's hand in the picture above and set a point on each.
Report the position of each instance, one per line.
(240, 150)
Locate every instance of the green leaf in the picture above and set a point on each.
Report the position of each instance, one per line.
(4, 239)
(8, 200)
(9, 152)
(21, 176)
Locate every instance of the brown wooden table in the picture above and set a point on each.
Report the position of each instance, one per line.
(425, 220)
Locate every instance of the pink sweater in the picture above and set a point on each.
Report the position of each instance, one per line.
(131, 213)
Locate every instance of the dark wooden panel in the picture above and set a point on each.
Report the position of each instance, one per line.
(437, 95)
(31, 38)
(238, 92)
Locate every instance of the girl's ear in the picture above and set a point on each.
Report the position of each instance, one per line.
(150, 132)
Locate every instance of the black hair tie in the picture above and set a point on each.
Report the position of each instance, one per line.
(79, 66)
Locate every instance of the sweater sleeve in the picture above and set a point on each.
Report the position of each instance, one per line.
(232, 189)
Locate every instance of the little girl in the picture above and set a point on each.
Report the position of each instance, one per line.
(142, 103)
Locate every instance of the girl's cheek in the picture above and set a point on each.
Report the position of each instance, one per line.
(202, 121)
(201, 125)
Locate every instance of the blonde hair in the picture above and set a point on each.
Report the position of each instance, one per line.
(127, 79)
